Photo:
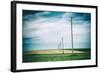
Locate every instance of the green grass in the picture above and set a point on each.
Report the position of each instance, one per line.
(57, 57)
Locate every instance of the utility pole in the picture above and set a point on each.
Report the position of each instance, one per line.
(72, 35)
(62, 45)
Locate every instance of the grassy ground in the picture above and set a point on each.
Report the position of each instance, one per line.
(57, 56)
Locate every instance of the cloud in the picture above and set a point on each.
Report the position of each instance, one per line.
(47, 28)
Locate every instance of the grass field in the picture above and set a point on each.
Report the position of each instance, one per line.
(56, 55)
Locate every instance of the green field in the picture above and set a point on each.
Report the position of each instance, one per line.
(57, 55)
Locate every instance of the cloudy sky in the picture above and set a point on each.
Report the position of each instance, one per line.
(45, 29)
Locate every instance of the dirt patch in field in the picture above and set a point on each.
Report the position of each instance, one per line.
(52, 51)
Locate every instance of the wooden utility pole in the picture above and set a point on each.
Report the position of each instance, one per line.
(72, 34)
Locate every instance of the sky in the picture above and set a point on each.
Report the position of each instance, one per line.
(45, 29)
